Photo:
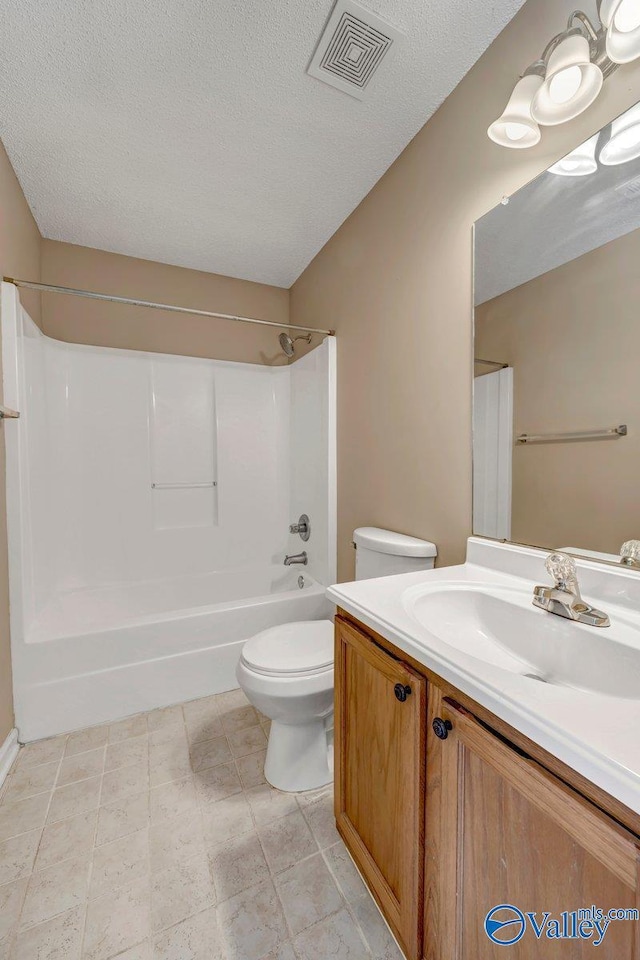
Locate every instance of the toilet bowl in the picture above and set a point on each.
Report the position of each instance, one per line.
(287, 673)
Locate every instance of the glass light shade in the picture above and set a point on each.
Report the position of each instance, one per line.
(516, 128)
(571, 85)
(624, 143)
(622, 20)
(580, 162)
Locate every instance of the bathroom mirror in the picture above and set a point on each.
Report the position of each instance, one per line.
(557, 353)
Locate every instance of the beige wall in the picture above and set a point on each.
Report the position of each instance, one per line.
(573, 339)
(19, 256)
(113, 325)
(395, 281)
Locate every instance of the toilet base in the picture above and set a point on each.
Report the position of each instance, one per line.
(298, 756)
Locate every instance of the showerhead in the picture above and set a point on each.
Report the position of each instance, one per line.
(287, 343)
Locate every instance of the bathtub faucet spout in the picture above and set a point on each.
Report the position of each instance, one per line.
(296, 558)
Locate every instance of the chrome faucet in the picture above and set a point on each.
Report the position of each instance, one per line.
(296, 558)
(630, 554)
(564, 598)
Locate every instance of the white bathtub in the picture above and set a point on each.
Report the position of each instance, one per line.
(98, 655)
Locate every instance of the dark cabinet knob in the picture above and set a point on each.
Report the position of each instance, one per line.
(401, 691)
(441, 728)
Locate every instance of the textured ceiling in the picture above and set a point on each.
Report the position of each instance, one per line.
(190, 133)
(552, 221)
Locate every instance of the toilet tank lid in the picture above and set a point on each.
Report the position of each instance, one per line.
(396, 544)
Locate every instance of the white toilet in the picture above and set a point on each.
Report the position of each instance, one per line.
(287, 671)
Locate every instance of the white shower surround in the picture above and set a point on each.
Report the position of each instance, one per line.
(123, 596)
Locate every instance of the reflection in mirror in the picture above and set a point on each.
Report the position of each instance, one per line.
(557, 348)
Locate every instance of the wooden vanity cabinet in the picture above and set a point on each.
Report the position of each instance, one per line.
(446, 819)
(380, 725)
(500, 829)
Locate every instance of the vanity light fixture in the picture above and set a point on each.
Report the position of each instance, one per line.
(572, 81)
(622, 21)
(624, 143)
(516, 127)
(580, 162)
(569, 75)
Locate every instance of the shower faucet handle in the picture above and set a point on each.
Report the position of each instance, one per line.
(302, 527)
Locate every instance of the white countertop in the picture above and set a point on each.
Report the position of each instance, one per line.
(596, 735)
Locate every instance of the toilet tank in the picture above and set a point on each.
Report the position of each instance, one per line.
(382, 553)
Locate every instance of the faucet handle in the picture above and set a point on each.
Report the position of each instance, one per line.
(562, 568)
(630, 553)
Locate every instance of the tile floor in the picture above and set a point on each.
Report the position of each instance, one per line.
(156, 838)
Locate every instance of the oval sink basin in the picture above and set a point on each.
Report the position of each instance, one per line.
(500, 626)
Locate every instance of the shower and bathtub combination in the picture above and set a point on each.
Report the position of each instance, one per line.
(149, 502)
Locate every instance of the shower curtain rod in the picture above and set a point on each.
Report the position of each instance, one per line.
(49, 288)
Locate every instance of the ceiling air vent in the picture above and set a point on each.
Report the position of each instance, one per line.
(352, 47)
(630, 190)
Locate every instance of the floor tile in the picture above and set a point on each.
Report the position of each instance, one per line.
(203, 721)
(170, 764)
(125, 753)
(375, 931)
(251, 769)
(83, 740)
(321, 818)
(237, 865)
(335, 937)
(286, 841)
(125, 782)
(175, 841)
(147, 848)
(344, 870)
(164, 717)
(30, 781)
(23, 816)
(118, 863)
(268, 804)
(54, 890)
(247, 740)
(284, 952)
(81, 766)
(308, 893)
(11, 897)
(66, 838)
(140, 952)
(166, 732)
(217, 783)
(17, 856)
(178, 797)
(117, 922)
(204, 705)
(41, 751)
(209, 753)
(57, 939)
(131, 727)
(197, 938)
(181, 891)
(74, 799)
(239, 719)
(231, 700)
(226, 819)
(122, 818)
(252, 923)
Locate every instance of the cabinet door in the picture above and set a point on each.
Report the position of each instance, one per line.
(502, 830)
(380, 725)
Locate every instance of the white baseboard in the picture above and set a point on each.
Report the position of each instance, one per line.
(8, 753)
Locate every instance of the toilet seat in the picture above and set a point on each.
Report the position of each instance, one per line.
(303, 648)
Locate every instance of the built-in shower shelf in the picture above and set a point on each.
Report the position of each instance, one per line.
(183, 486)
(7, 414)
